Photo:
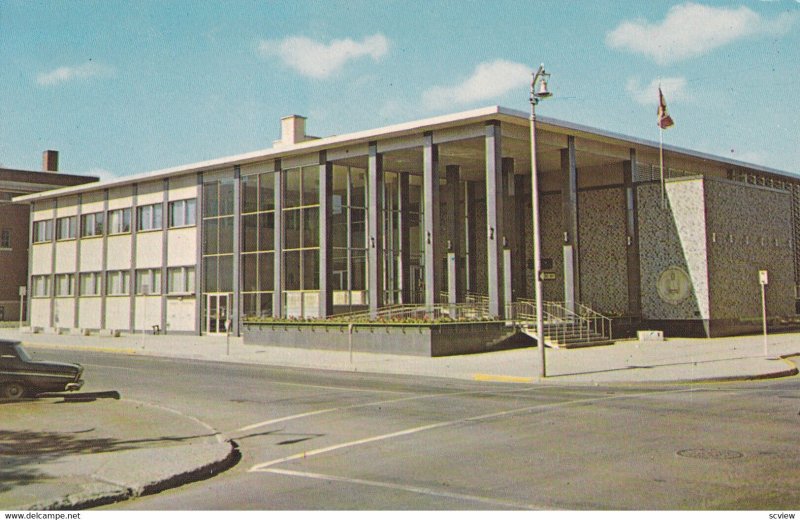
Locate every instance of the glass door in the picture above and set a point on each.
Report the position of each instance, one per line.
(218, 311)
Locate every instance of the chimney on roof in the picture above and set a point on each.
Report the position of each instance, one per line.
(50, 161)
(293, 131)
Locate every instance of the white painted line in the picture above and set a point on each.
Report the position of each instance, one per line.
(365, 405)
(217, 435)
(410, 489)
(349, 407)
(494, 415)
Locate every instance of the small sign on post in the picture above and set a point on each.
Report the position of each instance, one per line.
(763, 280)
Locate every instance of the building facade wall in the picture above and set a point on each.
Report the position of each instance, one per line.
(749, 229)
(123, 251)
(13, 258)
(603, 243)
(672, 245)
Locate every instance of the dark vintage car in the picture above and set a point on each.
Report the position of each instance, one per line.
(20, 375)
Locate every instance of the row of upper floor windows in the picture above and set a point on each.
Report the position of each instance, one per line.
(180, 280)
(149, 217)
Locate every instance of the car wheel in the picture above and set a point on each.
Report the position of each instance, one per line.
(12, 391)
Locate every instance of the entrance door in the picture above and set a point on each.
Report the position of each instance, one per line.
(218, 310)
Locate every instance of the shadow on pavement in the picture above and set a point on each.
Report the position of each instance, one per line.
(23, 451)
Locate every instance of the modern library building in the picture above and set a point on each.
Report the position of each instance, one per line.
(428, 213)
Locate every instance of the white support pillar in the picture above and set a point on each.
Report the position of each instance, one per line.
(494, 219)
(430, 182)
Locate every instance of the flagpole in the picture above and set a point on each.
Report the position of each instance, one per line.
(661, 164)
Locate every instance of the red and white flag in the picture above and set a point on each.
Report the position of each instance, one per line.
(664, 120)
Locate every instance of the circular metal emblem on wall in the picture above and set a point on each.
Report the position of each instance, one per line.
(674, 285)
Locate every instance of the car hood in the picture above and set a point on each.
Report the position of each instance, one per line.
(56, 366)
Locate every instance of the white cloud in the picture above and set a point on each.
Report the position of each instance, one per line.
(87, 70)
(488, 81)
(674, 89)
(319, 60)
(691, 30)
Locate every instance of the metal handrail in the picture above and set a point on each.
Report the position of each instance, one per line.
(560, 322)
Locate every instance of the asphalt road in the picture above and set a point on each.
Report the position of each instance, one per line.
(314, 440)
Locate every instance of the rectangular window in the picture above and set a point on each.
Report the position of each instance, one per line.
(90, 284)
(118, 283)
(65, 228)
(65, 285)
(119, 221)
(43, 231)
(92, 224)
(148, 217)
(5, 239)
(180, 280)
(41, 285)
(148, 281)
(182, 213)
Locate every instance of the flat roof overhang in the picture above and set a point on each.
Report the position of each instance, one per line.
(419, 127)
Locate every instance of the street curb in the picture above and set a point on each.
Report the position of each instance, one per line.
(74, 503)
(792, 371)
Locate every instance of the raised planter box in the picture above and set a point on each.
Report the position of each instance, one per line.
(429, 340)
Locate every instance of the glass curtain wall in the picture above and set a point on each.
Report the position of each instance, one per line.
(300, 188)
(392, 240)
(416, 242)
(349, 236)
(258, 244)
(218, 209)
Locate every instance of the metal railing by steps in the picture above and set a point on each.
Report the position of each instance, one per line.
(563, 328)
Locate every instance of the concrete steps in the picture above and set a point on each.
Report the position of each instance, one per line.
(568, 336)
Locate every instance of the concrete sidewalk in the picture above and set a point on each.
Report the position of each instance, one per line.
(63, 453)
(59, 453)
(628, 361)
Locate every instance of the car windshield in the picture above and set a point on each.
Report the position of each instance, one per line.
(23, 354)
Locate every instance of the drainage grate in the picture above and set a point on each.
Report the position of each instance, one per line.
(710, 454)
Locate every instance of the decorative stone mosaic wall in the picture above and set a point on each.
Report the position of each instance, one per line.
(552, 229)
(749, 229)
(673, 240)
(603, 255)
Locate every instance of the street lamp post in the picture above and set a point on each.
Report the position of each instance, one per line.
(540, 76)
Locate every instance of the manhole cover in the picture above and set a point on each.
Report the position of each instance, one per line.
(705, 453)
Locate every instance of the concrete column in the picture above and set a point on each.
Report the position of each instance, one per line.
(104, 267)
(199, 279)
(277, 295)
(494, 219)
(405, 239)
(374, 238)
(53, 263)
(632, 231)
(237, 250)
(430, 189)
(77, 280)
(452, 284)
(471, 197)
(325, 238)
(132, 276)
(165, 256)
(569, 203)
(518, 259)
(454, 230)
(507, 258)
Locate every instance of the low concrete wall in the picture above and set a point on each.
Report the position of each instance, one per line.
(444, 339)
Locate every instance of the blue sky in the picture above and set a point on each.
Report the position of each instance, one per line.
(122, 87)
